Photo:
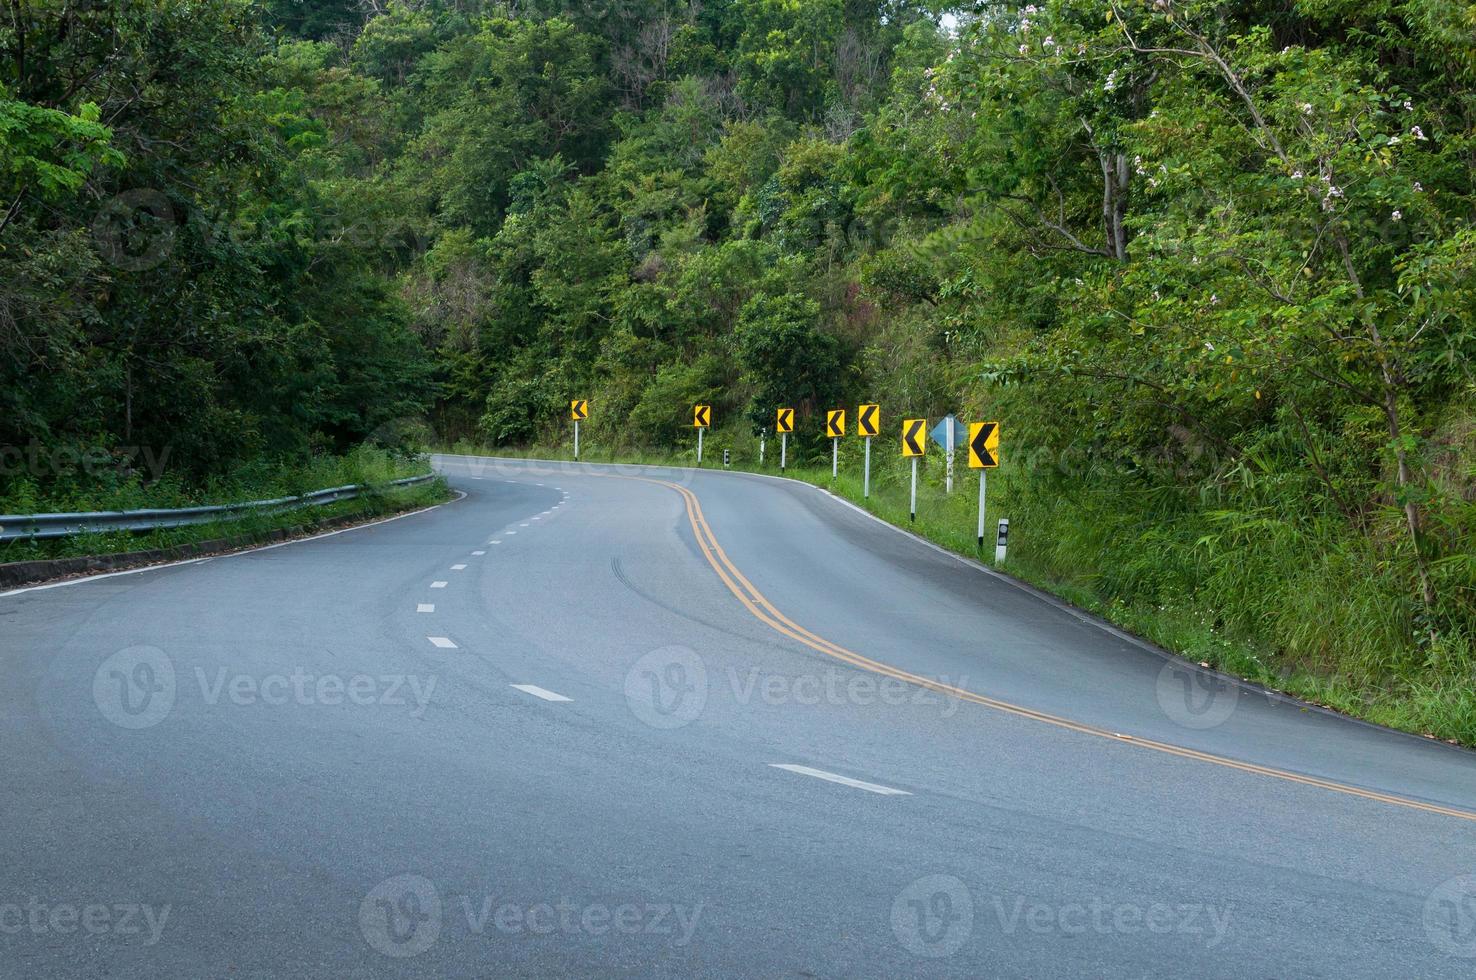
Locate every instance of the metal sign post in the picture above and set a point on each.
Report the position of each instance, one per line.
(984, 456)
(983, 478)
(784, 425)
(701, 419)
(762, 434)
(578, 409)
(912, 516)
(948, 469)
(914, 444)
(868, 424)
(835, 427)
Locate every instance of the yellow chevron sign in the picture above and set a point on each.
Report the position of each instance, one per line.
(914, 437)
(701, 416)
(983, 445)
(579, 410)
(784, 420)
(835, 423)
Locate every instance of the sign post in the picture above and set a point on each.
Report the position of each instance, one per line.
(868, 424)
(984, 456)
(763, 433)
(578, 409)
(948, 433)
(835, 427)
(701, 419)
(784, 425)
(914, 444)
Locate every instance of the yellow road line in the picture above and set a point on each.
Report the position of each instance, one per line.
(762, 609)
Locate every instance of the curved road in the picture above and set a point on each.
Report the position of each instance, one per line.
(657, 722)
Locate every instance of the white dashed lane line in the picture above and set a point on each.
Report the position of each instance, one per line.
(843, 780)
(539, 692)
(438, 585)
(478, 554)
(458, 568)
(443, 642)
(425, 607)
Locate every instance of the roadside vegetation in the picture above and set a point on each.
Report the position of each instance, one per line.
(98, 490)
(1212, 265)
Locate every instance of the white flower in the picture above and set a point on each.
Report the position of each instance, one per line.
(1024, 49)
(1417, 133)
(1306, 108)
(1208, 345)
(1397, 215)
(1111, 82)
(1408, 106)
(1214, 301)
(1296, 175)
(1393, 140)
(1049, 42)
(1418, 187)
(1031, 9)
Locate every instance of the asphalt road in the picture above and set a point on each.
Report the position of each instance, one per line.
(592, 722)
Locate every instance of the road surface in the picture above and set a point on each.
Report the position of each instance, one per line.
(656, 722)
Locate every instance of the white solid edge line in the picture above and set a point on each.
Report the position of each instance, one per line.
(539, 692)
(460, 496)
(843, 780)
(425, 607)
(443, 642)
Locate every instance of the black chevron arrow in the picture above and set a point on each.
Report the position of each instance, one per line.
(977, 445)
(913, 431)
(867, 422)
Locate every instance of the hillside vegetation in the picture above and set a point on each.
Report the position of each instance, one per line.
(1212, 265)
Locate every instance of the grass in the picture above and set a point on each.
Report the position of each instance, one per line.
(369, 467)
(1300, 609)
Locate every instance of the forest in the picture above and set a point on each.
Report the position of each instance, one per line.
(1213, 265)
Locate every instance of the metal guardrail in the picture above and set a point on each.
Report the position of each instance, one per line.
(22, 527)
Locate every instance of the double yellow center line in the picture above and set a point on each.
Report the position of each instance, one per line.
(762, 609)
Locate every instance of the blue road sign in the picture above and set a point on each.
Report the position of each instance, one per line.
(960, 432)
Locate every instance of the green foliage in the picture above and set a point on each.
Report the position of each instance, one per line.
(1213, 266)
